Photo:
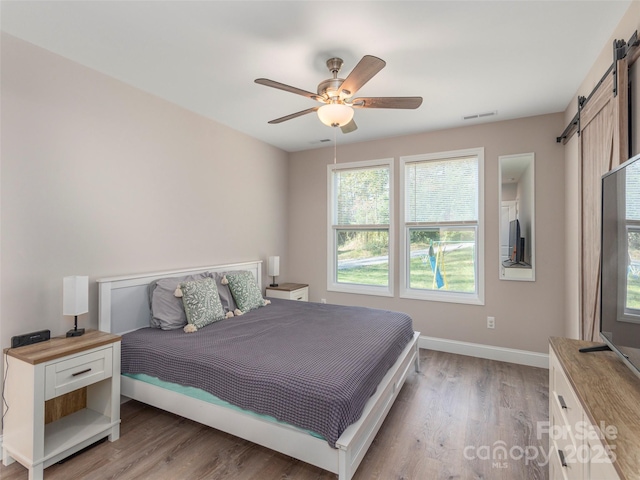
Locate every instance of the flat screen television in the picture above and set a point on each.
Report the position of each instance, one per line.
(620, 262)
(516, 245)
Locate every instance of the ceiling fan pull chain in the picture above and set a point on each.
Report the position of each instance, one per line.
(335, 146)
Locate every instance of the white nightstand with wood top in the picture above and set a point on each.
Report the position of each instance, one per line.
(61, 395)
(290, 291)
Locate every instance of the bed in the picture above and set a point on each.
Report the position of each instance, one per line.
(124, 309)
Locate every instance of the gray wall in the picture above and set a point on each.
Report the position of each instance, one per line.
(527, 313)
(99, 179)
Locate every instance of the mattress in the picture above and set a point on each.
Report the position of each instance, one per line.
(206, 397)
(311, 365)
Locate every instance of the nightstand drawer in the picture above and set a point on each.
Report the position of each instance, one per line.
(301, 294)
(290, 291)
(77, 372)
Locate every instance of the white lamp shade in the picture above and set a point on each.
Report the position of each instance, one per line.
(75, 295)
(335, 114)
(273, 266)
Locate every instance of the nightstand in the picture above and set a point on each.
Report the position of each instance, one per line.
(290, 291)
(62, 395)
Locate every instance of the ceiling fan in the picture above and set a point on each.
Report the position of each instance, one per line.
(337, 94)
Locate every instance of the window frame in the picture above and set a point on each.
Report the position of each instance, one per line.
(332, 284)
(630, 315)
(476, 298)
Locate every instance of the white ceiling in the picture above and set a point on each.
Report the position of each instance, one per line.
(519, 58)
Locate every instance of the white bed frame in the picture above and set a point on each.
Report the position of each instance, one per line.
(124, 307)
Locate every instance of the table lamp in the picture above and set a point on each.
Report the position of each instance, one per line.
(273, 268)
(75, 300)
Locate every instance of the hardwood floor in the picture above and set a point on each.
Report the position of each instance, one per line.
(448, 422)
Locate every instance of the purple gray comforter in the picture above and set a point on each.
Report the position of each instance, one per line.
(308, 364)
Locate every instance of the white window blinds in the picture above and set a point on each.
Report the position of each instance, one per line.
(362, 196)
(442, 190)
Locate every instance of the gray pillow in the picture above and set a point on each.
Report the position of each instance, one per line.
(201, 302)
(228, 303)
(167, 311)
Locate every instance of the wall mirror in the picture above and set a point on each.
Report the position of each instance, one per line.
(517, 217)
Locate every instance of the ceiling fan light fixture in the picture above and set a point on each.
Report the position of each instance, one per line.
(335, 114)
(336, 94)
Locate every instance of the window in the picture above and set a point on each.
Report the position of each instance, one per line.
(360, 233)
(632, 300)
(632, 216)
(442, 254)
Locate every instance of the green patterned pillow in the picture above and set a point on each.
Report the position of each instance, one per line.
(245, 290)
(201, 302)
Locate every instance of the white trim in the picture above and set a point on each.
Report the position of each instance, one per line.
(332, 284)
(438, 296)
(491, 352)
(359, 289)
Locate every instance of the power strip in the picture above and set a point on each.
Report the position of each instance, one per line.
(29, 338)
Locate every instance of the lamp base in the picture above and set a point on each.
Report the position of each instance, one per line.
(273, 284)
(75, 332)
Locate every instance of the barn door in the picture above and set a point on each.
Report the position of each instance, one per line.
(603, 145)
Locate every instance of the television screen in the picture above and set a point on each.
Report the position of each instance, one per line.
(620, 263)
(514, 240)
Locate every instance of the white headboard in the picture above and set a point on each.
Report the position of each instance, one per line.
(124, 301)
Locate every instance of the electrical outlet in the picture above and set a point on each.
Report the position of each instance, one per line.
(491, 322)
(323, 300)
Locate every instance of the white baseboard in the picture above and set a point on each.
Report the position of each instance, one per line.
(521, 357)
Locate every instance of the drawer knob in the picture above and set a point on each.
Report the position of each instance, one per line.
(80, 372)
(562, 402)
(563, 462)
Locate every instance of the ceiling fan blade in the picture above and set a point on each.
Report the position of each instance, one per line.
(387, 102)
(288, 88)
(294, 115)
(361, 74)
(349, 127)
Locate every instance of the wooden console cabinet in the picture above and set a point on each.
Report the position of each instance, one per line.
(45, 372)
(594, 414)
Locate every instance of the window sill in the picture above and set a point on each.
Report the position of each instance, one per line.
(361, 290)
